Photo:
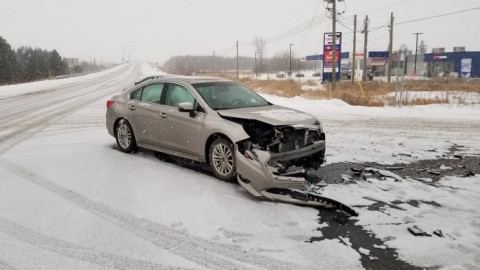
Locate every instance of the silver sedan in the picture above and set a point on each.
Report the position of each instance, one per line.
(268, 148)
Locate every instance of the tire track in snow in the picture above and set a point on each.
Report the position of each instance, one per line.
(67, 249)
(5, 266)
(37, 122)
(203, 252)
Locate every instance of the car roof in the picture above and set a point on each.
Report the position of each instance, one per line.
(189, 79)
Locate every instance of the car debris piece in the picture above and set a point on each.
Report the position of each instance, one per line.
(470, 173)
(386, 173)
(357, 171)
(415, 230)
(394, 168)
(371, 169)
(434, 172)
(346, 179)
(438, 233)
(301, 197)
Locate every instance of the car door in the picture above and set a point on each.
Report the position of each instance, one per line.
(145, 110)
(181, 131)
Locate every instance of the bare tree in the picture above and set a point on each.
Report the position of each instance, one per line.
(260, 49)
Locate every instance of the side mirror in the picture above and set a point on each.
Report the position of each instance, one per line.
(185, 107)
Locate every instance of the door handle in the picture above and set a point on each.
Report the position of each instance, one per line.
(132, 108)
(163, 115)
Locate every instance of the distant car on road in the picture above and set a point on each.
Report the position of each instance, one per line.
(299, 75)
(240, 135)
(280, 75)
(317, 74)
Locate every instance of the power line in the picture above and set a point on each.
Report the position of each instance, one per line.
(373, 29)
(437, 16)
(299, 29)
(344, 25)
(310, 26)
(387, 6)
(320, 19)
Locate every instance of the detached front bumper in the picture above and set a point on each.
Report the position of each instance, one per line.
(257, 176)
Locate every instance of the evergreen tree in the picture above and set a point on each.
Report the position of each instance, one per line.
(33, 63)
(56, 65)
(23, 58)
(8, 63)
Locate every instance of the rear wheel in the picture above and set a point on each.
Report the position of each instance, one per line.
(125, 137)
(222, 160)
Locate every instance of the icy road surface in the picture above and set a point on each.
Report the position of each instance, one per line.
(70, 200)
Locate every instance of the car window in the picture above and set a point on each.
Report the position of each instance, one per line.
(137, 94)
(226, 95)
(177, 94)
(152, 93)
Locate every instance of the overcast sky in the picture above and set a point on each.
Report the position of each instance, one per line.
(154, 30)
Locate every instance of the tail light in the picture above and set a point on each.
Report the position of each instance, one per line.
(110, 103)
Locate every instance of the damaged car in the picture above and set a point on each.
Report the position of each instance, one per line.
(268, 149)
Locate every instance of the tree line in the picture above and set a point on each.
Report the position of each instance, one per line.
(194, 64)
(27, 64)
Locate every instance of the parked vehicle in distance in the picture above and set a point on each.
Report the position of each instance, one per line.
(299, 75)
(280, 75)
(268, 148)
(317, 74)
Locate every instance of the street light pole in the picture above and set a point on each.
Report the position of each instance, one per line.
(416, 50)
(290, 71)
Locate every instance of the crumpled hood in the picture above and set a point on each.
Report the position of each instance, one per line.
(274, 115)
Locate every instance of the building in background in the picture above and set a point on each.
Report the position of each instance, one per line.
(458, 63)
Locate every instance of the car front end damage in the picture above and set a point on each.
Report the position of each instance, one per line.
(276, 162)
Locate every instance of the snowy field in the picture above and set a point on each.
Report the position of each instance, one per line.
(70, 200)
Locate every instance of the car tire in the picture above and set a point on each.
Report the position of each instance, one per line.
(125, 137)
(221, 157)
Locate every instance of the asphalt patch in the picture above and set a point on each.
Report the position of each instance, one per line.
(341, 226)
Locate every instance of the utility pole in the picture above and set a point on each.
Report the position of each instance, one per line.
(237, 59)
(416, 50)
(290, 70)
(213, 62)
(365, 44)
(334, 48)
(354, 47)
(390, 46)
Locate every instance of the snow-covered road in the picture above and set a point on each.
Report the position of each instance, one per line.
(69, 200)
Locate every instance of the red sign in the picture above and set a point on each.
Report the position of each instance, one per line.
(438, 57)
(328, 56)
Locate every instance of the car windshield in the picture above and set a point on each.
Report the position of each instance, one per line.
(226, 95)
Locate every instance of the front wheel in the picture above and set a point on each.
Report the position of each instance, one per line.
(222, 160)
(125, 137)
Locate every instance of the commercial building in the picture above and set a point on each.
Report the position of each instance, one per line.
(457, 63)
